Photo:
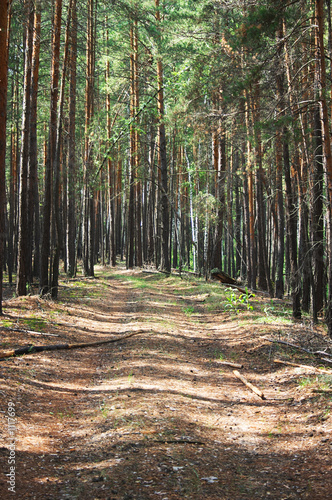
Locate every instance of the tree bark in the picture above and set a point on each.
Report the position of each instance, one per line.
(3, 115)
(48, 194)
(24, 266)
(71, 167)
(326, 146)
(165, 263)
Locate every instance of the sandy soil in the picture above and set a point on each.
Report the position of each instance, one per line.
(157, 415)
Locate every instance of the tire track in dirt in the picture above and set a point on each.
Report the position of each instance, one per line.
(157, 417)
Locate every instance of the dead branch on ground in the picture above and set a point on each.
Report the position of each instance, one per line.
(307, 367)
(249, 384)
(228, 363)
(32, 349)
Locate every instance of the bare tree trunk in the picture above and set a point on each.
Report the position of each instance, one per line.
(292, 225)
(56, 164)
(33, 195)
(89, 222)
(165, 264)
(48, 194)
(326, 146)
(279, 289)
(4, 11)
(24, 266)
(251, 247)
(71, 167)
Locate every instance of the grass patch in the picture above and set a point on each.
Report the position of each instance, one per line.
(36, 324)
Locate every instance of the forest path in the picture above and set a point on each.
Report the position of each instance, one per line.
(156, 416)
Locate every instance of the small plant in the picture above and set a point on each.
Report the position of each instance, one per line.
(244, 298)
(189, 310)
(104, 409)
(233, 301)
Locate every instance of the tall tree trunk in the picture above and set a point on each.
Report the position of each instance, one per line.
(88, 222)
(251, 247)
(110, 167)
(33, 195)
(292, 225)
(56, 164)
(279, 289)
(317, 220)
(165, 263)
(71, 167)
(264, 281)
(326, 146)
(133, 152)
(48, 194)
(3, 114)
(24, 266)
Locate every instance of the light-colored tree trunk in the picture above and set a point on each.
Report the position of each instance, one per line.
(23, 265)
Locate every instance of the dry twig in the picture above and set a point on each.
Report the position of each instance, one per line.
(248, 384)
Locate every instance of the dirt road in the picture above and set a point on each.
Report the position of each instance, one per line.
(157, 416)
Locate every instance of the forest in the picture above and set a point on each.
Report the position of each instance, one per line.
(182, 134)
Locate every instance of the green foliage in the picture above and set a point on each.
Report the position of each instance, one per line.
(233, 301)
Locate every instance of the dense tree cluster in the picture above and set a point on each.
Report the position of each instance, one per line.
(187, 134)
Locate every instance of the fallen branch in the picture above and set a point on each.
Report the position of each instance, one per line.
(307, 367)
(326, 360)
(289, 344)
(226, 280)
(248, 384)
(322, 353)
(228, 363)
(30, 332)
(242, 290)
(31, 349)
(175, 441)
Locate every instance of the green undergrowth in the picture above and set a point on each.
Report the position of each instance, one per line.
(193, 295)
(196, 296)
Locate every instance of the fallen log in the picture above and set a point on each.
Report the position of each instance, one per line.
(228, 363)
(223, 277)
(226, 280)
(249, 384)
(307, 367)
(32, 349)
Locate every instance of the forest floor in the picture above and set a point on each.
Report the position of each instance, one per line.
(158, 415)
